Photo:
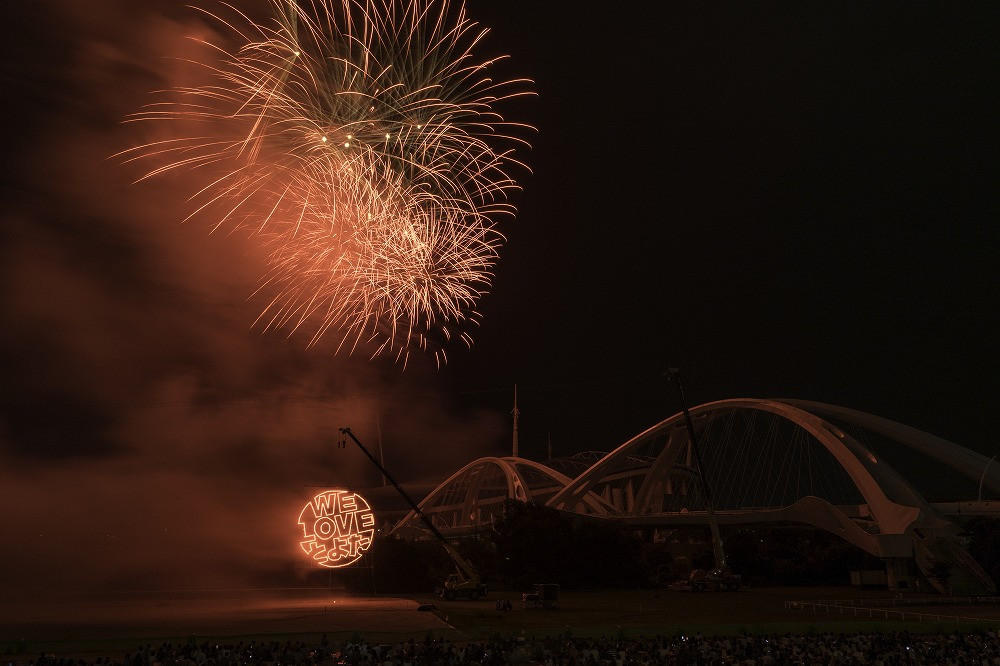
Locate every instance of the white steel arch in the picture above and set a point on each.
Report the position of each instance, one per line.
(474, 495)
(970, 464)
(891, 504)
(885, 516)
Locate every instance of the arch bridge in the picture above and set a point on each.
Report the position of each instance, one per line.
(859, 476)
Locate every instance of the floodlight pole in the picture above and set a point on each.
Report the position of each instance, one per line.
(720, 555)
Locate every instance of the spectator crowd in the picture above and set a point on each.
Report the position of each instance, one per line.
(879, 649)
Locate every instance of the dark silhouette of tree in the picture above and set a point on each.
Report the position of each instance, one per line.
(743, 553)
(399, 565)
(537, 544)
(940, 570)
(984, 544)
(481, 552)
(784, 555)
(657, 560)
(606, 555)
(533, 543)
(703, 559)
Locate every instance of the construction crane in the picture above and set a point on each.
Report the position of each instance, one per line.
(465, 582)
(719, 578)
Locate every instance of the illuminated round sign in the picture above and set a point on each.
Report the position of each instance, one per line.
(337, 528)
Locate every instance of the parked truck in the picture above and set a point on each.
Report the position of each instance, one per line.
(543, 595)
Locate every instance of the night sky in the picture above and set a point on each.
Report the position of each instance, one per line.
(783, 200)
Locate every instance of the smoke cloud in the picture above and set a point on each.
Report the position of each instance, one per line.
(150, 435)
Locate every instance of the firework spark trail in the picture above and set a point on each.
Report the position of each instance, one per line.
(358, 139)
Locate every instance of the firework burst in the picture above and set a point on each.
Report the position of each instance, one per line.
(359, 141)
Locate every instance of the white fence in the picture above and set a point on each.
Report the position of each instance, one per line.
(886, 608)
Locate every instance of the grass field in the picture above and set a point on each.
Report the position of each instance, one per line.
(91, 630)
(647, 612)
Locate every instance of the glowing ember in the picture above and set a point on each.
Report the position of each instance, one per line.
(358, 140)
(337, 528)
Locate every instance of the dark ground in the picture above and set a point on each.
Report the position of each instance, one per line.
(112, 624)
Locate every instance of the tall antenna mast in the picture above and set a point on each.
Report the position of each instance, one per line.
(516, 413)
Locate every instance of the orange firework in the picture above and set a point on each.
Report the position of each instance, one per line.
(359, 140)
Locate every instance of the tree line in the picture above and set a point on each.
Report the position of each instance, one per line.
(531, 543)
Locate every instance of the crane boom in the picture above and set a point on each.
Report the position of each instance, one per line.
(720, 578)
(719, 552)
(467, 570)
